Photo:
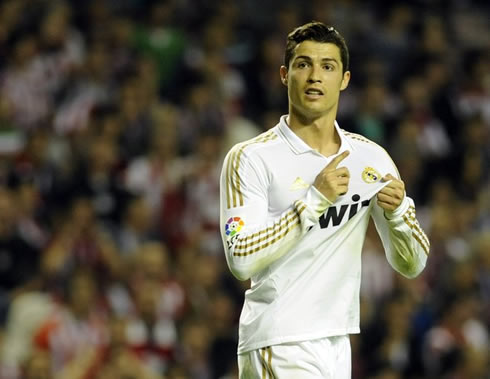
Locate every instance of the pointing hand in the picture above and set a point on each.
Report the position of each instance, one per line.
(333, 181)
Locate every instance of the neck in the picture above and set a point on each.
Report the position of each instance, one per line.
(319, 133)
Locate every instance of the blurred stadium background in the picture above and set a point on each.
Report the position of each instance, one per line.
(114, 118)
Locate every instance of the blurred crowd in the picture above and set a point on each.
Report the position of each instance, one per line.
(114, 119)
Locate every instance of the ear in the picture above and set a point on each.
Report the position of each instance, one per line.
(345, 80)
(283, 72)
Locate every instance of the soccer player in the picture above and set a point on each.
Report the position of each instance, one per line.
(295, 205)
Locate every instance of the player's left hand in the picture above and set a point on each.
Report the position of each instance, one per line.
(391, 196)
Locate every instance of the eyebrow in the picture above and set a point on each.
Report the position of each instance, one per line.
(307, 58)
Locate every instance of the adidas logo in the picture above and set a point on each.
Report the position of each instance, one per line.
(298, 184)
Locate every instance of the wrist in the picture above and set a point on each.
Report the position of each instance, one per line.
(400, 210)
(317, 201)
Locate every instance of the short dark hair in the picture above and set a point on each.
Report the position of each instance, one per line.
(318, 32)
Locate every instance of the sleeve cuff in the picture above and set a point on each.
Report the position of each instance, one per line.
(398, 212)
(316, 201)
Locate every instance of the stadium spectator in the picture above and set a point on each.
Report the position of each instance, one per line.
(113, 118)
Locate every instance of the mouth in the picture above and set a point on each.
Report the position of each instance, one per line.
(313, 93)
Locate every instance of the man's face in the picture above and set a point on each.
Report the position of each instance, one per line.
(314, 79)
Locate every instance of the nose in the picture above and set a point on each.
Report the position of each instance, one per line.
(314, 75)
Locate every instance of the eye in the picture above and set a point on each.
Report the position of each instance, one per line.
(328, 67)
(302, 64)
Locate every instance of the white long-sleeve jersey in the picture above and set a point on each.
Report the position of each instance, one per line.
(301, 252)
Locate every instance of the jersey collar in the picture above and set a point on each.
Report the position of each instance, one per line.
(299, 146)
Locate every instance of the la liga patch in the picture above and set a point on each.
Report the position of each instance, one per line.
(233, 226)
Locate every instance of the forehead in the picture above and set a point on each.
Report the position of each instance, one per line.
(317, 50)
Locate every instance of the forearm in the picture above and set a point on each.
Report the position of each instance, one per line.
(254, 249)
(406, 245)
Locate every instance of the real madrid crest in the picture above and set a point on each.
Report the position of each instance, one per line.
(370, 175)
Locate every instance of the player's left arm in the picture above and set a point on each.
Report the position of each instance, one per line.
(406, 244)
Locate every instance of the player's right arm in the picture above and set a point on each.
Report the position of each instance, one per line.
(252, 240)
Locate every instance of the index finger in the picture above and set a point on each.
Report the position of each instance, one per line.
(339, 158)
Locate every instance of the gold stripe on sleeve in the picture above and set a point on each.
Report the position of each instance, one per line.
(360, 137)
(269, 363)
(421, 244)
(418, 233)
(411, 216)
(240, 247)
(243, 248)
(228, 177)
(266, 233)
(271, 228)
(266, 137)
(415, 230)
(233, 176)
(264, 369)
(258, 248)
